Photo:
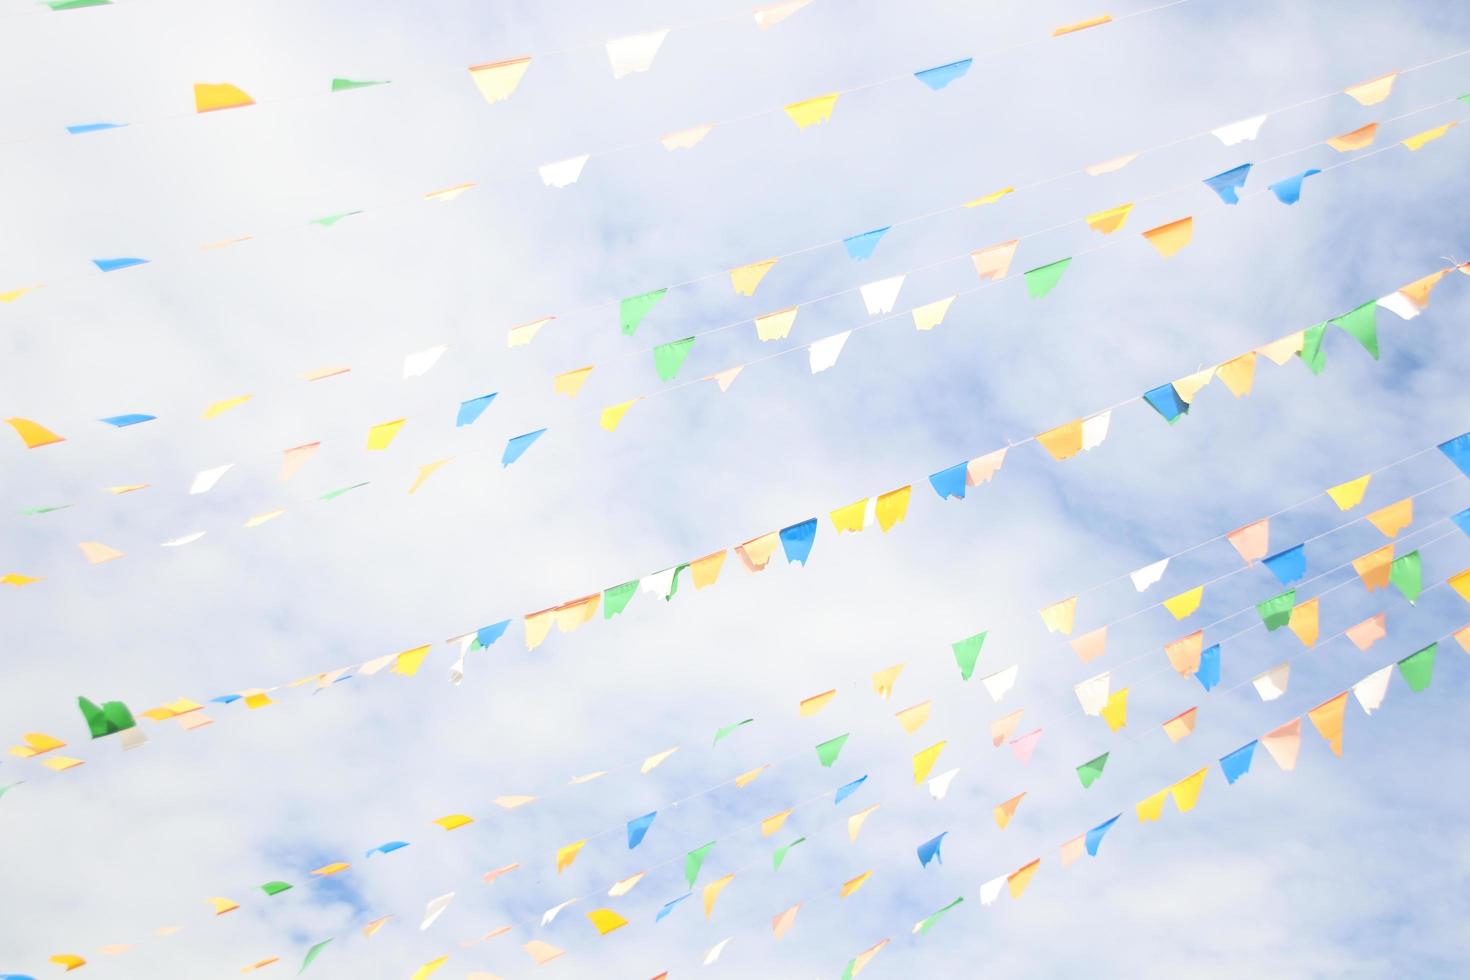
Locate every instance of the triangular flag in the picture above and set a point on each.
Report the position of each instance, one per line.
(1043, 279)
(1181, 726)
(1184, 653)
(1284, 742)
(1090, 646)
(1369, 631)
(1185, 603)
(1025, 746)
(1252, 541)
(1116, 711)
(1060, 616)
(1005, 811)
(1417, 669)
(747, 278)
(1305, 621)
(880, 296)
(1110, 220)
(1348, 495)
(1373, 91)
(1237, 763)
(1186, 791)
(994, 263)
(1148, 575)
(812, 112)
(912, 719)
(1239, 374)
(775, 326)
(1170, 238)
(822, 354)
(1394, 518)
(924, 761)
(1089, 771)
(1358, 139)
(634, 53)
(1327, 718)
(999, 683)
(1093, 694)
(1001, 728)
(497, 80)
(563, 173)
(1272, 684)
(967, 652)
(1371, 690)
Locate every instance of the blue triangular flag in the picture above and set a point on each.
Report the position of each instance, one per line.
(797, 540)
(518, 445)
(1288, 565)
(118, 421)
(93, 128)
(388, 848)
(637, 827)
(929, 850)
(225, 699)
(1457, 451)
(951, 482)
(1462, 520)
(861, 246)
(847, 789)
(487, 635)
(1228, 183)
(938, 77)
(1166, 401)
(1238, 763)
(669, 907)
(1289, 191)
(1209, 667)
(112, 265)
(472, 409)
(1095, 835)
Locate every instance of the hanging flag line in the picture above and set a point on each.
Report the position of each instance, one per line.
(543, 619)
(443, 348)
(612, 416)
(627, 54)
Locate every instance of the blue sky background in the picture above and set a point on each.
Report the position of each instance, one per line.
(1351, 867)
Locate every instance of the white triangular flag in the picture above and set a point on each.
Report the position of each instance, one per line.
(1093, 693)
(635, 52)
(1001, 681)
(1108, 166)
(686, 139)
(1371, 690)
(205, 480)
(659, 583)
(1397, 302)
(550, 914)
(880, 296)
(726, 377)
(715, 951)
(1272, 684)
(931, 315)
(1148, 575)
(1239, 132)
(456, 670)
(435, 909)
(186, 539)
(991, 890)
(417, 365)
(824, 353)
(133, 738)
(563, 172)
(939, 785)
(1095, 429)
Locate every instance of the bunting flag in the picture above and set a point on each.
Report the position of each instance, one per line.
(1237, 763)
(1017, 880)
(1059, 616)
(1272, 684)
(1275, 612)
(1115, 713)
(1358, 139)
(1418, 140)
(861, 960)
(498, 80)
(1251, 541)
(1186, 791)
(712, 893)
(1092, 694)
(96, 552)
(1025, 745)
(924, 925)
(828, 751)
(1239, 132)
(1181, 726)
(1289, 191)
(1405, 574)
(994, 263)
(1371, 690)
(938, 77)
(1394, 518)
(33, 434)
(1148, 575)
(1185, 604)
(1373, 91)
(1369, 631)
(770, 16)
(931, 315)
(1283, 743)
(1007, 810)
(213, 96)
(929, 850)
(747, 278)
(856, 821)
(1095, 836)
(635, 53)
(1348, 495)
(1304, 622)
(1082, 25)
(1109, 221)
(1375, 567)
(1001, 728)
(912, 719)
(847, 789)
(1417, 669)
(924, 761)
(1327, 718)
(1288, 565)
(1090, 771)
(1090, 646)
(812, 112)
(1043, 279)
(1186, 652)
(1227, 184)
(1168, 239)
(999, 684)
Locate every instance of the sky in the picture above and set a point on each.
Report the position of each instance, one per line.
(1350, 867)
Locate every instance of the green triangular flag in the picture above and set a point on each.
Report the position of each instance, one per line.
(334, 494)
(668, 358)
(723, 732)
(633, 309)
(1362, 323)
(1418, 668)
(780, 854)
(830, 749)
(332, 219)
(616, 599)
(275, 887)
(1465, 98)
(311, 955)
(1405, 575)
(32, 511)
(76, 4)
(966, 652)
(1089, 771)
(1043, 280)
(348, 84)
(1312, 354)
(928, 923)
(694, 860)
(109, 719)
(9, 786)
(1276, 610)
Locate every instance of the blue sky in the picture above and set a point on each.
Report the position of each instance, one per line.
(1350, 867)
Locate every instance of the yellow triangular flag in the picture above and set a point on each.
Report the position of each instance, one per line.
(1373, 91)
(774, 822)
(1394, 518)
(1115, 712)
(1186, 791)
(497, 80)
(1063, 442)
(853, 884)
(1185, 603)
(892, 507)
(1418, 140)
(746, 278)
(1239, 374)
(1006, 811)
(1060, 616)
(810, 706)
(566, 855)
(1017, 880)
(408, 662)
(1350, 494)
(225, 405)
(924, 761)
(1110, 220)
(606, 921)
(382, 435)
(1151, 808)
(613, 414)
(705, 571)
(884, 680)
(851, 517)
(773, 326)
(912, 719)
(34, 434)
(812, 112)
(425, 471)
(570, 382)
(712, 892)
(1305, 621)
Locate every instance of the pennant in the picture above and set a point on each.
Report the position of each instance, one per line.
(205, 480)
(775, 326)
(1327, 718)
(1417, 292)
(1348, 495)
(747, 278)
(1460, 582)
(991, 890)
(1060, 616)
(1305, 622)
(570, 382)
(1006, 811)
(994, 263)
(715, 951)
(520, 336)
(1025, 746)
(912, 719)
(1001, 728)
(1017, 880)
(606, 921)
(823, 353)
(861, 246)
(112, 717)
(638, 827)
(726, 377)
(1152, 808)
(634, 53)
(686, 139)
(1457, 451)
(1115, 713)
(712, 893)
(1373, 91)
(1089, 772)
(1284, 742)
(96, 127)
(1284, 349)
(891, 507)
(998, 684)
(1288, 565)
(1109, 221)
(1181, 726)
(1238, 763)
(612, 416)
(1090, 646)
(1394, 518)
(540, 951)
(756, 553)
(426, 471)
(1093, 694)
(1063, 442)
(746, 778)
(1082, 25)
(371, 929)
(1239, 132)
(122, 421)
(1239, 374)
(1358, 139)
(828, 751)
(929, 850)
(311, 955)
(854, 884)
(1251, 541)
(1169, 238)
(856, 821)
(497, 80)
(211, 97)
(1405, 574)
(1368, 632)
(1272, 684)
(1462, 637)
(1185, 653)
(950, 482)
(796, 541)
(1362, 324)
(847, 789)
(419, 364)
(1289, 191)
(1228, 183)
(1148, 575)
(1096, 834)
(884, 680)
(924, 761)
(939, 785)
(812, 112)
(1043, 279)
(782, 923)
(669, 907)
(1166, 401)
(436, 908)
(938, 77)
(989, 198)
(517, 446)
(924, 925)
(381, 436)
(1110, 166)
(1186, 791)
(879, 297)
(1185, 603)
(562, 173)
(1275, 612)
(931, 315)
(1371, 690)
(967, 653)
(472, 409)
(694, 860)
(1417, 669)
(980, 470)
(33, 434)
(723, 733)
